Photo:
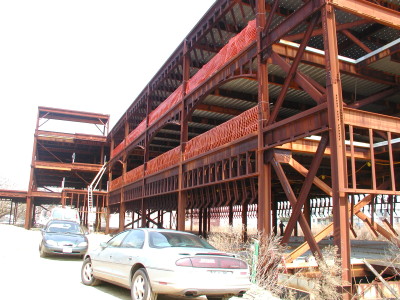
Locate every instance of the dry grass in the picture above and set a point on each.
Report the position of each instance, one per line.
(228, 239)
(269, 265)
(326, 284)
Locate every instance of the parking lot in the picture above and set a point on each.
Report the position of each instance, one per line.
(24, 275)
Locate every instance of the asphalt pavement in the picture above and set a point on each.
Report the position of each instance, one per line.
(25, 275)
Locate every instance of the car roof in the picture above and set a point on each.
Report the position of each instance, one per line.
(63, 221)
(163, 230)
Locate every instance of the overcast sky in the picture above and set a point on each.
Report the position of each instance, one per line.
(88, 55)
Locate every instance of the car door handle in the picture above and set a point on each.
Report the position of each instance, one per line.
(130, 258)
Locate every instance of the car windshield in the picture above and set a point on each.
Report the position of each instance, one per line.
(174, 239)
(64, 228)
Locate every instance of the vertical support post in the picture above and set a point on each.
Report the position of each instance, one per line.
(122, 206)
(307, 212)
(11, 211)
(122, 211)
(337, 145)
(208, 220)
(274, 207)
(244, 221)
(182, 195)
(230, 214)
(191, 220)
(264, 169)
(15, 212)
(200, 221)
(63, 200)
(146, 156)
(205, 222)
(391, 163)
(107, 204)
(34, 214)
(391, 209)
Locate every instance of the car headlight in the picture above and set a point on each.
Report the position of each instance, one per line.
(82, 244)
(51, 242)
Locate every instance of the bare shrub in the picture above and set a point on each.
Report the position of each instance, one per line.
(270, 257)
(270, 264)
(329, 275)
(267, 265)
(228, 239)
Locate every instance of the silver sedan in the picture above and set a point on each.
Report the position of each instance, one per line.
(159, 261)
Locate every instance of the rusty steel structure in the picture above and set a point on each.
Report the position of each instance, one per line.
(64, 164)
(267, 109)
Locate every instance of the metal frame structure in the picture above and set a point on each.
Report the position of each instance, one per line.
(64, 164)
(267, 109)
(302, 115)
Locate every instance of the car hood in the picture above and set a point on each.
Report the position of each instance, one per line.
(67, 237)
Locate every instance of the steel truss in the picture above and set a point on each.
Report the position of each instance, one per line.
(308, 142)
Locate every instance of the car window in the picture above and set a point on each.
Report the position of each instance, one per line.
(135, 239)
(57, 214)
(63, 228)
(173, 239)
(116, 240)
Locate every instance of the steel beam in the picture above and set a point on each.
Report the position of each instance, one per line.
(374, 98)
(301, 79)
(305, 189)
(293, 69)
(290, 23)
(356, 40)
(307, 123)
(317, 32)
(293, 201)
(369, 10)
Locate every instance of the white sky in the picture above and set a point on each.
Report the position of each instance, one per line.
(88, 55)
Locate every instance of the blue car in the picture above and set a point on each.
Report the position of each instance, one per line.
(60, 237)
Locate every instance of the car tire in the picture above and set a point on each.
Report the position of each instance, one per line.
(42, 253)
(217, 298)
(140, 286)
(87, 273)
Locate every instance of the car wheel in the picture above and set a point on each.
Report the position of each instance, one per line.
(42, 252)
(140, 287)
(87, 273)
(217, 298)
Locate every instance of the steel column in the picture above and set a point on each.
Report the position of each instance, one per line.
(264, 170)
(337, 144)
(146, 156)
(108, 204)
(182, 195)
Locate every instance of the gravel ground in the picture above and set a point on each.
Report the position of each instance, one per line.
(25, 275)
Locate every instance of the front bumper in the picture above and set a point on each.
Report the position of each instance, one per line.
(59, 250)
